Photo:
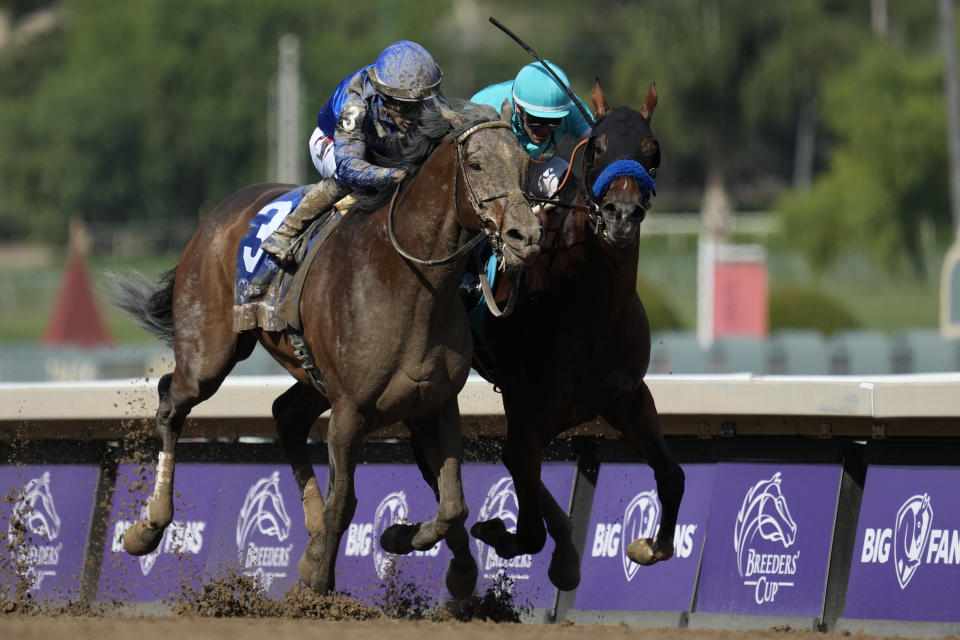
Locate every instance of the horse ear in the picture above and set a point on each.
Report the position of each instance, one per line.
(506, 110)
(649, 102)
(600, 106)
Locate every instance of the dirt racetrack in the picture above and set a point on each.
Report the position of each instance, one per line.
(165, 627)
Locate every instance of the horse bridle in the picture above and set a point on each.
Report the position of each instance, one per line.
(489, 228)
(593, 204)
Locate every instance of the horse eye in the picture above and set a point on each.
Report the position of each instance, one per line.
(653, 172)
(475, 166)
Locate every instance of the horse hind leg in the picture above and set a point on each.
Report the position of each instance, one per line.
(637, 420)
(145, 534)
(295, 411)
(194, 379)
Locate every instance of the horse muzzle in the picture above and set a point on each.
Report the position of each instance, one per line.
(521, 234)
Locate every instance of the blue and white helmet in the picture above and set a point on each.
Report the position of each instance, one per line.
(536, 91)
(405, 71)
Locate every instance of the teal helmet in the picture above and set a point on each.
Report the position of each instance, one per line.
(405, 71)
(537, 92)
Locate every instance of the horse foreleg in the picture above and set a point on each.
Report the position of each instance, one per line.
(636, 419)
(564, 570)
(345, 442)
(438, 448)
(522, 456)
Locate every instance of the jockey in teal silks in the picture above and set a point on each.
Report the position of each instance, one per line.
(542, 115)
(369, 106)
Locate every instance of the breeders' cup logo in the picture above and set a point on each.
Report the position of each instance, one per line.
(501, 502)
(392, 509)
(913, 528)
(34, 519)
(640, 520)
(264, 515)
(764, 514)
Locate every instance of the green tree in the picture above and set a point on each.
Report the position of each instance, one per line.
(888, 168)
(155, 109)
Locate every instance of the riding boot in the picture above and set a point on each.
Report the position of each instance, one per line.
(323, 196)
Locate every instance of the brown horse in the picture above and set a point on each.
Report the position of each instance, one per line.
(380, 314)
(577, 345)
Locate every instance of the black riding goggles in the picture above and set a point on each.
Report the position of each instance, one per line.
(535, 122)
(404, 108)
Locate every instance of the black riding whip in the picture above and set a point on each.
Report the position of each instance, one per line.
(563, 85)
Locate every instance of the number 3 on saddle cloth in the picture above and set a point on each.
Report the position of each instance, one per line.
(260, 284)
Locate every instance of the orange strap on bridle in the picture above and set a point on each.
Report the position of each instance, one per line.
(570, 164)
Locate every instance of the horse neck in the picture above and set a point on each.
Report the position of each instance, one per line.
(611, 271)
(426, 221)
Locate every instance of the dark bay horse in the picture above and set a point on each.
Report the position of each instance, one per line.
(387, 331)
(577, 345)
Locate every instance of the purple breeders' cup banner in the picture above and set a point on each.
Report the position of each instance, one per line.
(769, 539)
(258, 526)
(906, 560)
(626, 507)
(490, 494)
(226, 517)
(45, 516)
(388, 494)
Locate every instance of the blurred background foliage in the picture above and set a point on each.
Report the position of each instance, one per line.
(829, 113)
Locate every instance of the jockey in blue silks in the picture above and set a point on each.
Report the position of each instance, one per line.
(368, 107)
(542, 115)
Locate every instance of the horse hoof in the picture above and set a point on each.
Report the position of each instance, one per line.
(489, 531)
(140, 539)
(309, 561)
(398, 538)
(461, 578)
(641, 551)
(564, 569)
(644, 551)
(320, 583)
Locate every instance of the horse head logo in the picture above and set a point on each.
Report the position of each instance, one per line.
(263, 508)
(35, 512)
(640, 520)
(501, 502)
(393, 508)
(914, 520)
(764, 511)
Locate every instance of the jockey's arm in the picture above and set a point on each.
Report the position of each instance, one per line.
(350, 150)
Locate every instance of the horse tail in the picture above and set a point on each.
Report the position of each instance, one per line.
(150, 305)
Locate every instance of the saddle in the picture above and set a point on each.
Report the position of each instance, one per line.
(267, 295)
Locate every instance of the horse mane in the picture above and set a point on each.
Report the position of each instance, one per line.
(409, 152)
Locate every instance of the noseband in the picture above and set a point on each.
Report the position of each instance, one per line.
(490, 229)
(624, 167)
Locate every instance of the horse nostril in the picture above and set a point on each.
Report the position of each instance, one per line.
(517, 237)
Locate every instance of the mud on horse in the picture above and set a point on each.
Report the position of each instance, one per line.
(578, 343)
(383, 320)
